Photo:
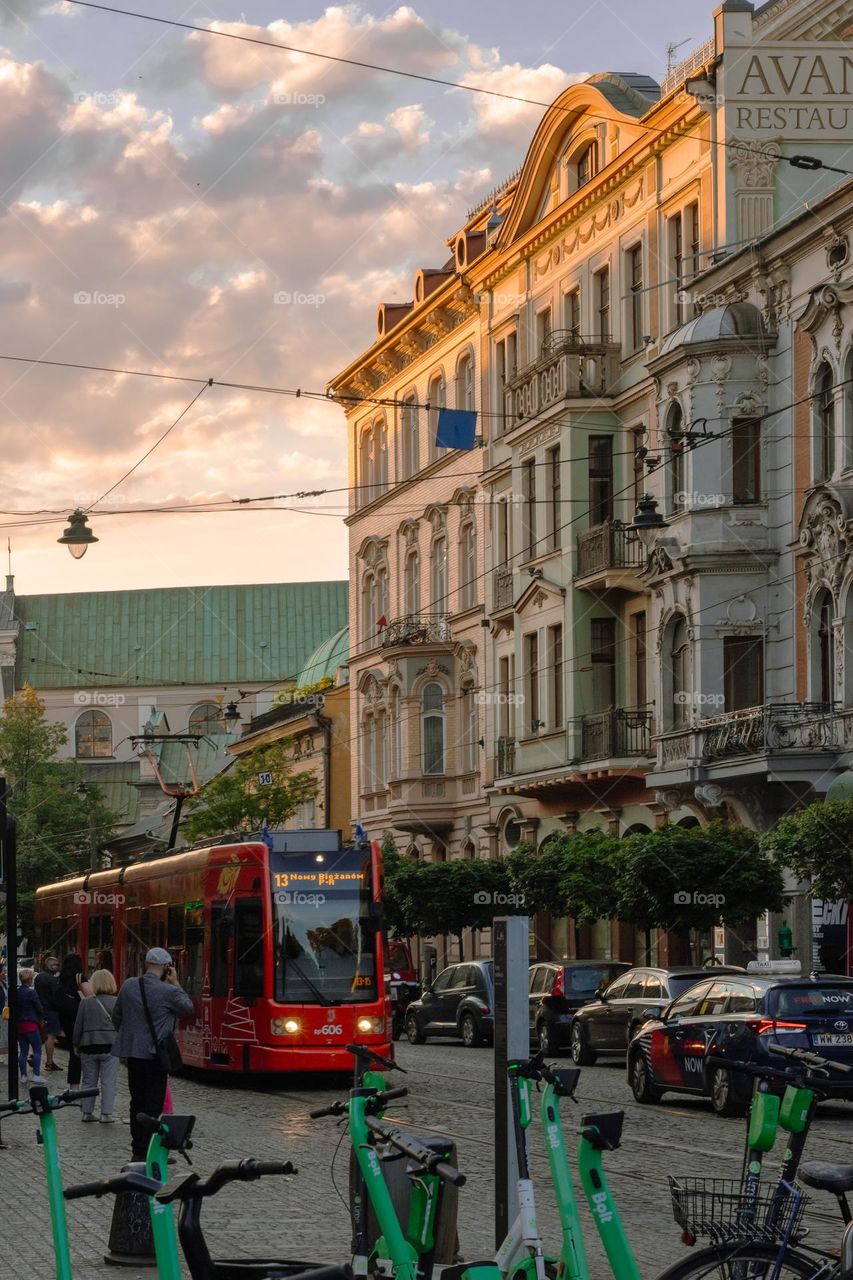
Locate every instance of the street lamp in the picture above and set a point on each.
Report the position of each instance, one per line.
(231, 715)
(78, 537)
(648, 521)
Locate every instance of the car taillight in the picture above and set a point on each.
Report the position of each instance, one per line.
(559, 987)
(761, 1026)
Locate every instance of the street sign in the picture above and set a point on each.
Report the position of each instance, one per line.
(265, 779)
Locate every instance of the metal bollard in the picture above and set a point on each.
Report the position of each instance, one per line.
(131, 1243)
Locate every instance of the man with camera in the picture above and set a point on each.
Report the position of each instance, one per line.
(145, 1017)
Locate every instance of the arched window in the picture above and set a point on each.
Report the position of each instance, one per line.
(412, 583)
(368, 755)
(438, 572)
(679, 657)
(586, 165)
(380, 456)
(824, 667)
(368, 607)
(395, 758)
(437, 396)
(207, 719)
(432, 729)
(411, 438)
(825, 423)
(467, 565)
(469, 724)
(465, 383)
(677, 471)
(382, 592)
(93, 736)
(381, 760)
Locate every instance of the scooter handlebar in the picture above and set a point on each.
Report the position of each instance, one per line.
(336, 1109)
(112, 1186)
(389, 1095)
(271, 1168)
(76, 1095)
(447, 1173)
(809, 1059)
(369, 1055)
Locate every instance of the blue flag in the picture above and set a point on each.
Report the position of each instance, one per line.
(456, 429)
(360, 833)
(266, 835)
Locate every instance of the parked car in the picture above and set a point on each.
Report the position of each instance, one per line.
(608, 1024)
(458, 1002)
(556, 993)
(745, 1016)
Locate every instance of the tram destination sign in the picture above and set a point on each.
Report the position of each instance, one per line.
(790, 92)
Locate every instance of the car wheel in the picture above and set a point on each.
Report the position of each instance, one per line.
(582, 1055)
(471, 1034)
(641, 1086)
(723, 1099)
(413, 1030)
(546, 1039)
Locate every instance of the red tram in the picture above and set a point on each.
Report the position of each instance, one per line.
(279, 945)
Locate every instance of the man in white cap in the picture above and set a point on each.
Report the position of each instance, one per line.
(153, 1002)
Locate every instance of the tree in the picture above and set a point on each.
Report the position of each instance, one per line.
(236, 801)
(571, 875)
(815, 843)
(434, 898)
(60, 827)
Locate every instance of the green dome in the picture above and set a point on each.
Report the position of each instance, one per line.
(842, 787)
(325, 659)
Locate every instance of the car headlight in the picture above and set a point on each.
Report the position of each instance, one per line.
(368, 1025)
(285, 1026)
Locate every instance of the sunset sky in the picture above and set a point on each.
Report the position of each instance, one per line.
(165, 176)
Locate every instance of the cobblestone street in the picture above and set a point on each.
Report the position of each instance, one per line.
(451, 1093)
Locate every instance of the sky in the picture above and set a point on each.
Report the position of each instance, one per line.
(184, 204)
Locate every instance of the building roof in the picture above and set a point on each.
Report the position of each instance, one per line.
(630, 92)
(220, 635)
(325, 660)
(736, 320)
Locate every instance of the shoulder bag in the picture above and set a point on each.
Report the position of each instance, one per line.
(167, 1051)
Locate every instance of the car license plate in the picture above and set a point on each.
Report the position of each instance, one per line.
(834, 1037)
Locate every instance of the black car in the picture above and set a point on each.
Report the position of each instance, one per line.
(608, 1024)
(745, 1016)
(459, 1002)
(557, 991)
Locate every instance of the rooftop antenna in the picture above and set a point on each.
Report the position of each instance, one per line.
(9, 550)
(671, 51)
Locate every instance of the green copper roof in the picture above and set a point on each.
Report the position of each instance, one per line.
(325, 660)
(175, 635)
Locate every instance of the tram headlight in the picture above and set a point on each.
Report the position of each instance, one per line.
(368, 1025)
(285, 1026)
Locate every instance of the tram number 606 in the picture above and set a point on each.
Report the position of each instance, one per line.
(330, 1029)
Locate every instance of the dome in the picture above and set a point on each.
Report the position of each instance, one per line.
(841, 788)
(325, 659)
(719, 324)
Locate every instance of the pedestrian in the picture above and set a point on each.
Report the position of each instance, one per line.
(46, 986)
(4, 1009)
(145, 1016)
(71, 987)
(94, 1035)
(29, 1017)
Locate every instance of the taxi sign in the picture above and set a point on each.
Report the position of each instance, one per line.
(784, 968)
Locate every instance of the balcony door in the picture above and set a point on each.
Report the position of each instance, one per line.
(743, 672)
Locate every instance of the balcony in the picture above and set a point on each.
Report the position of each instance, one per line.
(616, 735)
(503, 592)
(610, 558)
(504, 757)
(568, 367)
(420, 629)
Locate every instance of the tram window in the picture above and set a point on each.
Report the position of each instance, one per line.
(193, 950)
(248, 948)
(219, 935)
(175, 928)
(106, 931)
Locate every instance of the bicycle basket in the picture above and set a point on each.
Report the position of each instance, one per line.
(718, 1209)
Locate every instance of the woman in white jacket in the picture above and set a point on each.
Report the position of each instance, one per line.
(94, 1034)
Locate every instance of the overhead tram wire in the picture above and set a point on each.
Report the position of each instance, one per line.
(809, 163)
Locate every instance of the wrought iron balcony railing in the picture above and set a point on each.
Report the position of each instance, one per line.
(609, 546)
(804, 726)
(505, 757)
(431, 628)
(609, 735)
(502, 589)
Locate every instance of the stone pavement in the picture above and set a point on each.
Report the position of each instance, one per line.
(305, 1217)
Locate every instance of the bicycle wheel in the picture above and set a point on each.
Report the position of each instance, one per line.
(733, 1260)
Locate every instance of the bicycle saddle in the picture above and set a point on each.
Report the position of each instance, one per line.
(837, 1178)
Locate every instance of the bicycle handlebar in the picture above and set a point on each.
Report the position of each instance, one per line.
(431, 1160)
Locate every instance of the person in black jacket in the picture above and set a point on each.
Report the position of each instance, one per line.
(46, 984)
(72, 986)
(29, 1016)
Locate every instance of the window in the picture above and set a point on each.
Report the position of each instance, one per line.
(676, 249)
(543, 329)
(380, 758)
(603, 658)
(467, 566)
(741, 999)
(602, 303)
(686, 1005)
(219, 937)
(506, 363)
(636, 325)
(465, 383)
(573, 312)
(503, 529)
(531, 666)
(638, 435)
(248, 948)
(743, 672)
(437, 395)
(369, 615)
(438, 573)
(432, 722)
(638, 645)
(93, 735)
(694, 237)
(634, 989)
(411, 441)
(825, 433)
(444, 980)
(365, 468)
(600, 479)
(746, 460)
(555, 518)
(412, 582)
(207, 719)
(587, 164)
(677, 471)
(528, 486)
(679, 658)
(555, 647)
(192, 973)
(395, 758)
(506, 725)
(714, 1001)
(653, 989)
(381, 594)
(825, 650)
(380, 456)
(470, 730)
(617, 989)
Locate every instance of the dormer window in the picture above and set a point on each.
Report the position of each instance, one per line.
(587, 165)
